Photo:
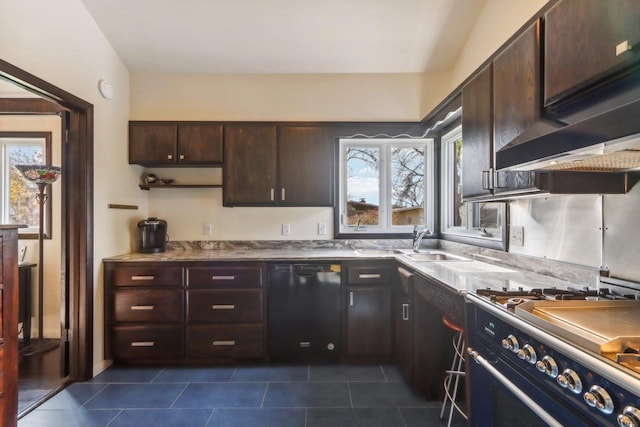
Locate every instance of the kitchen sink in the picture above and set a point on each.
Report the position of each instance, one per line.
(433, 256)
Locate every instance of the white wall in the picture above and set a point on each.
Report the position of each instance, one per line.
(52, 248)
(498, 21)
(345, 97)
(295, 97)
(60, 43)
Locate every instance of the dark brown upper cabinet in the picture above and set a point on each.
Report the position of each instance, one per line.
(588, 43)
(477, 135)
(277, 166)
(249, 174)
(305, 166)
(175, 144)
(517, 99)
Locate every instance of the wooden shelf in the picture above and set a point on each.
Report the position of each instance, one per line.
(150, 186)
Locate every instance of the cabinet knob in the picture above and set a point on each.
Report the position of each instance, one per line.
(181, 156)
(142, 277)
(143, 307)
(272, 194)
(223, 277)
(405, 311)
(143, 343)
(223, 307)
(224, 343)
(622, 47)
(169, 156)
(283, 194)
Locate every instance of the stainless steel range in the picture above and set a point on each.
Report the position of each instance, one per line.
(563, 357)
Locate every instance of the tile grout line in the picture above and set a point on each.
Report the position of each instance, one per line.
(264, 396)
(179, 395)
(114, 418)
(104, 386)
(349, 390)
(213, 412)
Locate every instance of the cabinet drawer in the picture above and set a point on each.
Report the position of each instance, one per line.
(147, 342)
(225, 341)
(248, 276)
(225, 305)
(365, 275)
(147, 276)
(147, 305)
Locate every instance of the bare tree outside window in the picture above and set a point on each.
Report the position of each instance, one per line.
(407, 185)
(406, 175)
(18, 204)
(23, 206)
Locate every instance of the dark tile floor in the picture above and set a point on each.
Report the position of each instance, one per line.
(38, 376)
(234, 396)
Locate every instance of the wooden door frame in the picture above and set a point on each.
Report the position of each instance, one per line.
(77, 211)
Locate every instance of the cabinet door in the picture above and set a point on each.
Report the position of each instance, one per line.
(152, 143)
(517, 86)
(581, 44)
(368, 322)
(477, 118)
(250, 165)
(200, 144)
(305, 166)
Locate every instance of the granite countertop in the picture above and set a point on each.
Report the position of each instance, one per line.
(458, 276)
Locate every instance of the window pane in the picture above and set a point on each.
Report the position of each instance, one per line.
(23, 206)
(363, 186)
(407, 185)
(486, 215)
(459, 211)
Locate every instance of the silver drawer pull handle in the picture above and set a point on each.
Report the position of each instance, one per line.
(405, 311)
(351, 299)
(223, 307)
(305, 344)
(370, 276)
(224, 343)
(223, 277)
(143, 277)
(143, 307)
(143, 344)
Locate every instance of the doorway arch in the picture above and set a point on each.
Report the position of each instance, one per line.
(77, 211)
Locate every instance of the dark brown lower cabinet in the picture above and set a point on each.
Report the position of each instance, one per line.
(225, 341)
(403, 324)
(433, 350)
(368, 322)
(182, 311)
(153, 342)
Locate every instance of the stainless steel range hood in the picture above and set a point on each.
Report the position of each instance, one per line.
(605, 142)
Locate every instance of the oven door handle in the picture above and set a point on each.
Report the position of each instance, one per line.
(514, 389)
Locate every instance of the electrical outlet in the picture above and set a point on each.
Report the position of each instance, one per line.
(207, 229)
(322, 228)
(516, 236)
(286, 229)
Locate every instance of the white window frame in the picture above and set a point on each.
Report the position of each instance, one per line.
(385, 225)
(6, 141)
(447, 227)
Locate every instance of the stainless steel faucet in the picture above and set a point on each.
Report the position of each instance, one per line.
(417, 237)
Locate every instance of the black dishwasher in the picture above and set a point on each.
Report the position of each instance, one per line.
(304, 312)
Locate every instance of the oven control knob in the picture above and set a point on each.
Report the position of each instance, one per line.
(597, 397)
(548, 366)
(630, 417)
(511, 343)
(570, 380)
(528, 353)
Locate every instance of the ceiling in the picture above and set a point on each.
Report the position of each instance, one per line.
(286, 36)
